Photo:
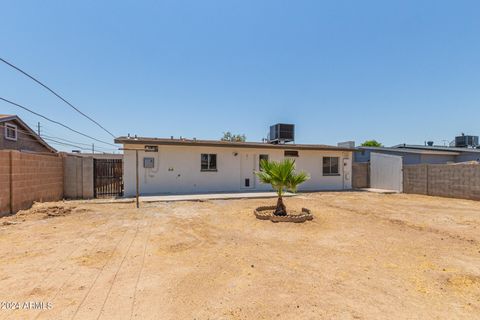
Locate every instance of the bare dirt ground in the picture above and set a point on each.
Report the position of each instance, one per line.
(364, 256)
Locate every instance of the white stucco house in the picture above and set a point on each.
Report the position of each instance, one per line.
(183, 166)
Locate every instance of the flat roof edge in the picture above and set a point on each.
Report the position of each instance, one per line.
(224, 144)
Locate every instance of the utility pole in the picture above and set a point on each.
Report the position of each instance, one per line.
(38, 128)
(93, 148)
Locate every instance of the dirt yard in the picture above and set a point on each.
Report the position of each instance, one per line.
(364, 256)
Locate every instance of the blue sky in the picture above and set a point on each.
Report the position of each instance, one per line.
(395, 71)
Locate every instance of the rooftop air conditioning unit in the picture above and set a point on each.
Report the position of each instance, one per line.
(466, 141)
(281, 133)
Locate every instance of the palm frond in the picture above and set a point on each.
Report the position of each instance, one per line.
(281, 175)
(296, 180)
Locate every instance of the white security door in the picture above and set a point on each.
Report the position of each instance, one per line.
(347, 174)
(247, 171)
(386, 172)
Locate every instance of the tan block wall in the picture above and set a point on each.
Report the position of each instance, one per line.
(4, 182)
(361, 175)
(34, 177)
(457, 181)
(454, 181)
(415, 179)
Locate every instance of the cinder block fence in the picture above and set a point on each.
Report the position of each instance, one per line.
(26, 178)
(444, 180)
(360, 175)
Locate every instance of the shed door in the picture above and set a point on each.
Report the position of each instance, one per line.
(247, 171)
(386, 172)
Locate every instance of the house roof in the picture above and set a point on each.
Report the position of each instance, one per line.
(413, 151)
(4, 117)
(10, 117)
(95, 155)
(435, 148)
(231, 144)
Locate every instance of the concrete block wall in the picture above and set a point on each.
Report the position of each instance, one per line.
(35, 178)
(454, 181)
(361, 175)
(78, 177)
(31, 177)
(4, 182)
(415, 179)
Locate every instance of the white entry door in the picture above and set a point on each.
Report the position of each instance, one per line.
(247, 171)
(347, 174)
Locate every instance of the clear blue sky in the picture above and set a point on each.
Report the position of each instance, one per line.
(395, 71)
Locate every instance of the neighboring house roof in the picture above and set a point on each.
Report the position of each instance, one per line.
(413, 151)
(11, 117)
(231, 144)
(96, 155)
(438, 148)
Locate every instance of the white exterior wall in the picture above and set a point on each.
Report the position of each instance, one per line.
(177, 170)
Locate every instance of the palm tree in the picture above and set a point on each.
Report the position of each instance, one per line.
(282, 176)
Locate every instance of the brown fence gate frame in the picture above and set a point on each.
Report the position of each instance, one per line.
(108, 178)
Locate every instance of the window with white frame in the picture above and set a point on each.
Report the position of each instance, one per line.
(10, 132)
(330, 166)
(208, 162)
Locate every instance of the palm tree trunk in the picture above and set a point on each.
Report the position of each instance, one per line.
(280, 210)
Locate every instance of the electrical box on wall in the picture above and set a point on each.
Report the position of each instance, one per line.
(148, 163)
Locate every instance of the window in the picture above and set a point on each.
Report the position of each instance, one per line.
(260, 158)
(10, 131)
(290, 153)
(330, 166)
(209, 162)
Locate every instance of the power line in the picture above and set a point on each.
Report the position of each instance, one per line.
(53, 121)
(48, 137)
(57, 95)
(65, 144)
(58, 138)
(46, 132)
(43, 135)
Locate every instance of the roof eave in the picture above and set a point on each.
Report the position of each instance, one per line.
(203, 143)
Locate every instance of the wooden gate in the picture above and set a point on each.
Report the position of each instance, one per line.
(108, 178)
